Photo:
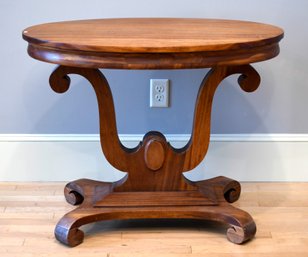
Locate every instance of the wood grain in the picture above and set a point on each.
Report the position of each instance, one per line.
(154, 186)
(171, 198)
(282, 227)
(166, 163)
(154, 155)
(152, 43)
(152, 35)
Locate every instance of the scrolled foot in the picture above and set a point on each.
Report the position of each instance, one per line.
(232, 190)
(239, 235)
(86, 191)
(73, 194)
(221, 188)
(71, 237)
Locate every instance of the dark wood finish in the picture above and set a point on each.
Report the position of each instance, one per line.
(136, 161)
(242, 226)
(154, 186)
(158, 199)
(154, 155)
(153, 43)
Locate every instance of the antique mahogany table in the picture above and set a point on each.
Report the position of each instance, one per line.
(154, 186)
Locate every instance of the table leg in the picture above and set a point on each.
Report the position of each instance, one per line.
(154, 186)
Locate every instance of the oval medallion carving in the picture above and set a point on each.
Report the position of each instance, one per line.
(154, 155)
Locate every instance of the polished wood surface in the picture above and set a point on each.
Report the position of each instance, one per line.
(153, 43)
(29, 212)
(152, 35)
(154, 185)
(154, 165)
(154, 168)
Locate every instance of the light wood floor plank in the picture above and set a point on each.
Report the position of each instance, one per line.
(43, 192)
(38, 209)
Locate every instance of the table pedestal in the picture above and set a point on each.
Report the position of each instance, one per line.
(154, 186)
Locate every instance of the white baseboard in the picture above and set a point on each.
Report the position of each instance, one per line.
(245, 157)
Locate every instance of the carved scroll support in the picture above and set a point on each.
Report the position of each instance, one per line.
(154, 167)
(111, 145)
(197, 147)
(154, 153)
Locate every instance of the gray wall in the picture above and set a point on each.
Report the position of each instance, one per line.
(28, 105)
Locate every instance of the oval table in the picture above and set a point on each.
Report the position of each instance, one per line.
(154, 185)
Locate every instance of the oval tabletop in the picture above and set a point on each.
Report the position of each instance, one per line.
(153, 43)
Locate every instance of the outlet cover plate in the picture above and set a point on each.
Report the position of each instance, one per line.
(159, 93)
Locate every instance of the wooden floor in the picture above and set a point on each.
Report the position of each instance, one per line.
(29, 212)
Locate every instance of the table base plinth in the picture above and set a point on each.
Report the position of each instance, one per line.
(154, 186)
(209, 202)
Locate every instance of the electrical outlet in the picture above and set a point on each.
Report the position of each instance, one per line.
(159, 93)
